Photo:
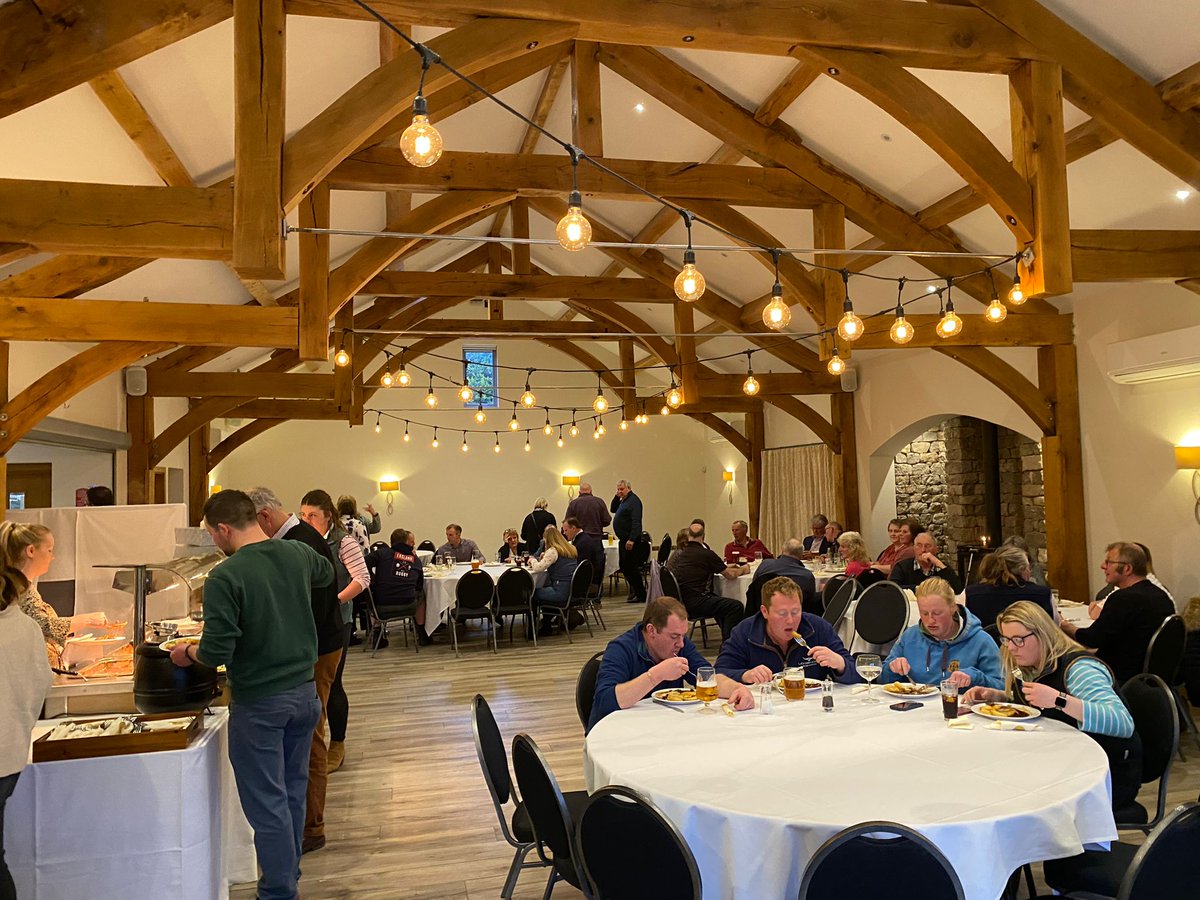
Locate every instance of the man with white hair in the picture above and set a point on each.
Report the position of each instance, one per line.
(590, 511)
(925, 564)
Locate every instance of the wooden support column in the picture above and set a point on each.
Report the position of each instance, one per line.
(313, 340)
(756, 433)
(258, 133)
(198, 447)
(628, 379)
(1040, 156)
(521, 264)
(587, 126)
(685, 347)
(841, 408)
(496, 259)
(347, 387)
(829, 231)
(3, 422)
(1062, 474)
(397, 203)
(139, 422)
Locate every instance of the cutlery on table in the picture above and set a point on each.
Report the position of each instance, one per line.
(667, 705)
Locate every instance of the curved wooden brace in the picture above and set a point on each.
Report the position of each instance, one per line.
(64, 381)
(949, 133)
(634, 324)
(724, 429)
(1016, 386)
(242, 436)
(809, 417)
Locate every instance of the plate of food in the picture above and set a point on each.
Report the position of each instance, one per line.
(1005, 712)
(175, 642)
(911, 691)
(676, 696)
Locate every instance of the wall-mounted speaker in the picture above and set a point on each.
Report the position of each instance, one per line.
(850, 380)
(135, 381)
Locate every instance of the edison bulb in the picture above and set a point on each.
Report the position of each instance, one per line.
(528, 446)
(622, 425)
(387, 380)
(665, 411)
(596, 435)
(836, 365)
(573, 431)
(674, 398)
(465, 393)
(777, 315)
(902, 331)
(950, 324)
(403, 378)
(513, 424)
(689, 283)
(421, 143)
(850, 327)
(996, 311)
(547, 429)
(601, 429)
(464, 447)
(559, 442)
(407, 437)
(496, 448)
(378, 428)
(528, 400)
(431, 399)
(600, 404)
(1016, 296)
(574, 231)
(434, 445)
(750, 386)
(480, 416)
(341, 358)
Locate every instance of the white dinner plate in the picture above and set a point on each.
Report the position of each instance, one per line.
(924, 695)
(661, 697)
(1030, 712)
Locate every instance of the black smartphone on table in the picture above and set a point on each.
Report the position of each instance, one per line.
(904, 706)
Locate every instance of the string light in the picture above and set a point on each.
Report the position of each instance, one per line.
(420, 142)
(402, 377)
(901, 332)
(596, 433)
(665, 411)
(547, 429)
(623, 425)
(431, 398)
(950, 324)
(1016, 296)
(996, 311)
(341, 359)
(386, 380)
(851, 326)
(465, 394)
(573, 431)
(435, 440)
(559, 442)
(496, 448)
(528, 446)
(600, 428)
(750, 386)
(480, 415)
(378, 427)
(600, 404)
(674, 396)
(689, 283)
(464, 447)
(776, 315)
(513, 424)
(574, 231)
(406, 438)
(528, 400)
(836, 365)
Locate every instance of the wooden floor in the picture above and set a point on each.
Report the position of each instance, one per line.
(409, 816)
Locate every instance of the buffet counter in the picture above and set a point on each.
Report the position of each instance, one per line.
(165, 824)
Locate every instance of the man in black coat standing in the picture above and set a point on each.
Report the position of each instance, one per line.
(588, 547)
(632, 550)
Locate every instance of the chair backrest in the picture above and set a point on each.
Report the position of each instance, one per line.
(548, 813)
(754, 594)
(630, 851)
(832, 586)
(514, 588)
(585, 688)
(993, 631)
(474, 590)
(1165, 866)
(581, 580)
(489, 747)
(1165, 651)
(426, 545)
(664, 550)
(1156, 721)
(670, 587)
(836, 606)
(856, 862)
(881, 613)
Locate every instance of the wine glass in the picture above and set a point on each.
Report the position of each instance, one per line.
(870, 668)
(706, 686)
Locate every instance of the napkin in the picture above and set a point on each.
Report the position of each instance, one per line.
(860, 688)
(1013, 726)
(962, 724)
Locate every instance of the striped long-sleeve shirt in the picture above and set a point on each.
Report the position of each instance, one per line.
(1103, 711)
(352, 558)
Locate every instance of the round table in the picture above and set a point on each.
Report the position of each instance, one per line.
(439, 589)
(755, 796)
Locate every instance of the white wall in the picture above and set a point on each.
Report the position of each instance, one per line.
(70, 468)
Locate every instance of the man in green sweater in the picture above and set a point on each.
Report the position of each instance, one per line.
(258, 623)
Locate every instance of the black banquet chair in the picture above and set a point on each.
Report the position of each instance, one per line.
(1163, 868)
(864, 860)
(474, 598)
(629, 850)
(1156, 720)
(426, 545)
(383, 615)
(552, 819)
(1164, 658)
(585, 688)
(493, 759)
(839, 599)
(664, 550)
(514, 597)
(579, 598)
(881, 613)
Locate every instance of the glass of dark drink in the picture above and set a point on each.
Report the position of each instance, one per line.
(949, 699)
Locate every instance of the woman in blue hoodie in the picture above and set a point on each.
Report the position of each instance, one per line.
(947, 643)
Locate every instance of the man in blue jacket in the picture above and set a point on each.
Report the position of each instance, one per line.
(656, 653)
(765, 644)
(627, 525)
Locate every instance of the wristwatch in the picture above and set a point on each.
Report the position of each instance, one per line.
(1061, 700)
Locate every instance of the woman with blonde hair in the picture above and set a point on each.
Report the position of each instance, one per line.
(536, 523)
(512, 546)
(1060, 677)
(853, 549)
(1003, 580)
(558, 561)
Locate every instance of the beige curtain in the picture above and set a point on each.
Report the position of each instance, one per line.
(798, 483)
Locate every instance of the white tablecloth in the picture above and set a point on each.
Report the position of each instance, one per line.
(165, 824)
(736, 587)
(611, 558)
(991, 801)
(439, 589)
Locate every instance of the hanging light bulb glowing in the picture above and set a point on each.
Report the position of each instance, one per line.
(431, 398)
(480, 415)
(528, 400)
(600, 428)
(464, 446)
(559, 442)
(1016, 296)
(689, 283)
(574, 231)
(528, 446)
(665, 411)
(386, 378)
(573, 431)
(950, 324)
(623, 425)
(596, 433)
(547, 429)
(836, 365)
(901, 331)
(402, 377)
(341, 359)
(996, 311)
(513, 424)
(850, 327)
(378, 427)
(435, 440)
(674, 396)
(406, 438)
(750, 386)
(776, 315)
(465, 394)
(496, 448)
(600, 404)
(420, 142)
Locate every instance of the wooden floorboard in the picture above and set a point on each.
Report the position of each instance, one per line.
(409, 818)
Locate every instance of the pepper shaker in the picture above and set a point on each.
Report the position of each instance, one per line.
(827, 694)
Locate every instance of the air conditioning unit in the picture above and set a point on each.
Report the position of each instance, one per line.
(1172, 354)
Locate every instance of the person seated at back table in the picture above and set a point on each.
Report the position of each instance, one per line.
(948, 642)
(512, 546)
(694, 567)
(901, 533)
(789, 564)
(858, 562)
(1069, 685)
(742, 546)
(765, 644)
(816, 544)
(460, 549)
(908, 573)
(586, 546)
(1097, 605)
(1003, 580)
(832, 532)
(397, 578)
(654, 654)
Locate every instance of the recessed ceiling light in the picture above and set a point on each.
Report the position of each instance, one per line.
(639, 107)
(1182, 194)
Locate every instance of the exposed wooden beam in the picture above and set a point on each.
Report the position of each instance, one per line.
(199, 443)
(716, 384)
(48, 319)
(1134, 255)
(239, 438)
(582, 356)
(121, 219)
(543, 175)
(338, 130)
(756, 434)
(517, 287)
(139, 422)
(740, 443)
(829, 233)
(977, 331)
(808, 417)
(501, 328)
(545, 101)
(11, 252)
(841, 408)
(1016, 386)
(313, 340)
(586, 121)
(319, 410)
(44, 51)
(685, 346)
(289, 385)
(259, 43)
(127, 110)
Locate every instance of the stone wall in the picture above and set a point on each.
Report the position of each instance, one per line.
(941, 481)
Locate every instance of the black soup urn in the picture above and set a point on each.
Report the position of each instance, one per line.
(160, 686)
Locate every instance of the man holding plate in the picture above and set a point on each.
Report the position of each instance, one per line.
(783, 636)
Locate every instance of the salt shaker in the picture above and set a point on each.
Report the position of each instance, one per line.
(827, 695)
(766, 703)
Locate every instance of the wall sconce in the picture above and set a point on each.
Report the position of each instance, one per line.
(1189, 458)
(570, 482)
(388, 486)
(214, 489)
(727, 477)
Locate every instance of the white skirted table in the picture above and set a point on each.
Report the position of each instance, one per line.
(760, 794)
(439, 589)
